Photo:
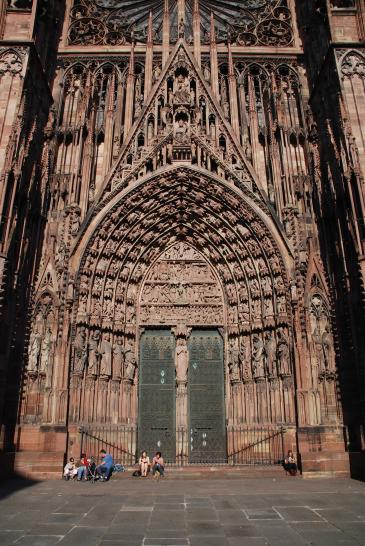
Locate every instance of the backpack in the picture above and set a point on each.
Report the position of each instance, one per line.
(136, 473)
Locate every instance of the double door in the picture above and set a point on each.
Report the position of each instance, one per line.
(203, 434)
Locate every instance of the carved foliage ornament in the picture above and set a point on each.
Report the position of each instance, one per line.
(10, 62)
(353, 64)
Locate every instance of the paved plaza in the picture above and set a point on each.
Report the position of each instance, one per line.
(233, 511)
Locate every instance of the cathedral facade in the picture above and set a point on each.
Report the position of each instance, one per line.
(182, 231)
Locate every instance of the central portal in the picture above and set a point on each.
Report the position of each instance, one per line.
(181, 373)
(181, 396)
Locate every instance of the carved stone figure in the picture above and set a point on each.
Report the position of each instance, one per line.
(80, 351)
(34, 350)
(234, 363)
(118, 358)
(46, 350)
(182, 360)
(283, 354)
(327, 349)
(93, 364)
(258, 353)
(270, 351)
(105, 351)
(130, 362)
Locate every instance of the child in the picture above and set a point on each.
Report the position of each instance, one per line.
(70, 469)
(82, 471)
(144, 463)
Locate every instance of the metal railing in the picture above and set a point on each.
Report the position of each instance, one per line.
(119, 441)
(246, 444)
(260, 445)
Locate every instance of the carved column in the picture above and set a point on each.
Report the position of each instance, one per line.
(149, 59)
(213, 58)
(165, 34)
(233, 93)
(196, 28)
(130, 96)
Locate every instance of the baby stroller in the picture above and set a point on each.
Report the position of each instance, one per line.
(92, 475)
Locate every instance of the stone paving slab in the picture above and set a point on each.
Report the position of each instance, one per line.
(190, 512)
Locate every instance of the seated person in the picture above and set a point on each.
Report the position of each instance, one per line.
(290, 464)
(70, 469)
(104, 469)
(144, 464)
(83, 469)
(158, 464)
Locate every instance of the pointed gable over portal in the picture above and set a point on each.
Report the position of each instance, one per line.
(181, 123)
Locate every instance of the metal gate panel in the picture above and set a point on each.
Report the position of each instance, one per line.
(207, 442)
(156, 415)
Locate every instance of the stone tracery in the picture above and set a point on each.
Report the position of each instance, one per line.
(252, 22)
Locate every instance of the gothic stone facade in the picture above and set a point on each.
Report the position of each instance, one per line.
(175, 167)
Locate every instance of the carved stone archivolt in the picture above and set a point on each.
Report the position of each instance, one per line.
(178, 250)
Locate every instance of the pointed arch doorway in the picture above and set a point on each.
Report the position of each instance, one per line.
(181, 392)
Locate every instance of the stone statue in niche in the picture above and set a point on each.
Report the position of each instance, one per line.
(182, 93)
(80, 351)
(105, 351)
(46, 351)
(61, 255)
(327, 352)
(283, 354)
(156, 72)
(182, 360)
(118, 358)
(93, 353)
(234, 362)
(34, 350)
(181, 129)
(258, 353)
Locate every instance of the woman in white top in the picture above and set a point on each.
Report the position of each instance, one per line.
(144, 463)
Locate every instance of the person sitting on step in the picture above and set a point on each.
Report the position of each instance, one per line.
(70, 470)
(290, 464)
(82, 471)
(144, 464)
(158, 464)
(105, 469)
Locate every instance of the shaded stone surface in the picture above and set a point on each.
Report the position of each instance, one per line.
(193, 512)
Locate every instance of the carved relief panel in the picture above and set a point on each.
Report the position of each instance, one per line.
(181, 288)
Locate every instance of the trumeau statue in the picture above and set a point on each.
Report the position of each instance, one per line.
(181, 360)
